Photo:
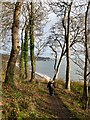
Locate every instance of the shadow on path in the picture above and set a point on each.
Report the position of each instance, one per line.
(59, 110)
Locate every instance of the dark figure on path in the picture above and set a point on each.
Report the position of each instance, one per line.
(51, 86)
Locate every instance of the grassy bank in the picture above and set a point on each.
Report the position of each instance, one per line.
(31, 101)
(73, 99)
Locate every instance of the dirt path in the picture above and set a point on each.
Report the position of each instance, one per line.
(58, 109)
(60, 112)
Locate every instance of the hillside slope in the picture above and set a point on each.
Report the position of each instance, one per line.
(31, 101)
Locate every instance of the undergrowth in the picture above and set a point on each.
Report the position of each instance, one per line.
(28, 101)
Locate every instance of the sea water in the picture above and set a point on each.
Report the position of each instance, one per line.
(46, 69)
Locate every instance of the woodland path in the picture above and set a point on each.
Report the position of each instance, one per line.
(58, 109)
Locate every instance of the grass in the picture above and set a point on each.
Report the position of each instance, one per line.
(28, 101)
(25, 101)
(73, 99)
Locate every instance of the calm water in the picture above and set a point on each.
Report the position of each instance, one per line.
(46, 68)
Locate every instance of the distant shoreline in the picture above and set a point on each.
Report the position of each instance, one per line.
(37, 58)
(47, 65)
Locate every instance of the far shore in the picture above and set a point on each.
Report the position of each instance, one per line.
(5, 57)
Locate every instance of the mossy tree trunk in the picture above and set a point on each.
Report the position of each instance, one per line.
(21, 63)
(32, 57)
(26, 52)
(21, 59)
(9, 79)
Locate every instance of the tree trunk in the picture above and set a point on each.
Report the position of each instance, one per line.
(68, 63)
(89, 78)
(57, 69)
(22, 55)
(68, 50)
(9, 79)
(85, 92)
(33, 66)
(21, 64)
(26, 52)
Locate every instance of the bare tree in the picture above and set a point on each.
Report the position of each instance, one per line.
(67, 38)
(6, 13)
(65, 10)
(9, 79)
(57, 44)
(85, 92)
(35, 27)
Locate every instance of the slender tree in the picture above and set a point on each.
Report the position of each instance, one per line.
(68, 49)
(21, 60)
(9, 79)
(85, 92)
(64, 9)
(21, 63)
(32, 57)
(6, 20)
(26, 52)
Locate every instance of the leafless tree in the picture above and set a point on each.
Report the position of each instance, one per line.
(9, 79)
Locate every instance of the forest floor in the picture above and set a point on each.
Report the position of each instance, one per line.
(31, 101)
